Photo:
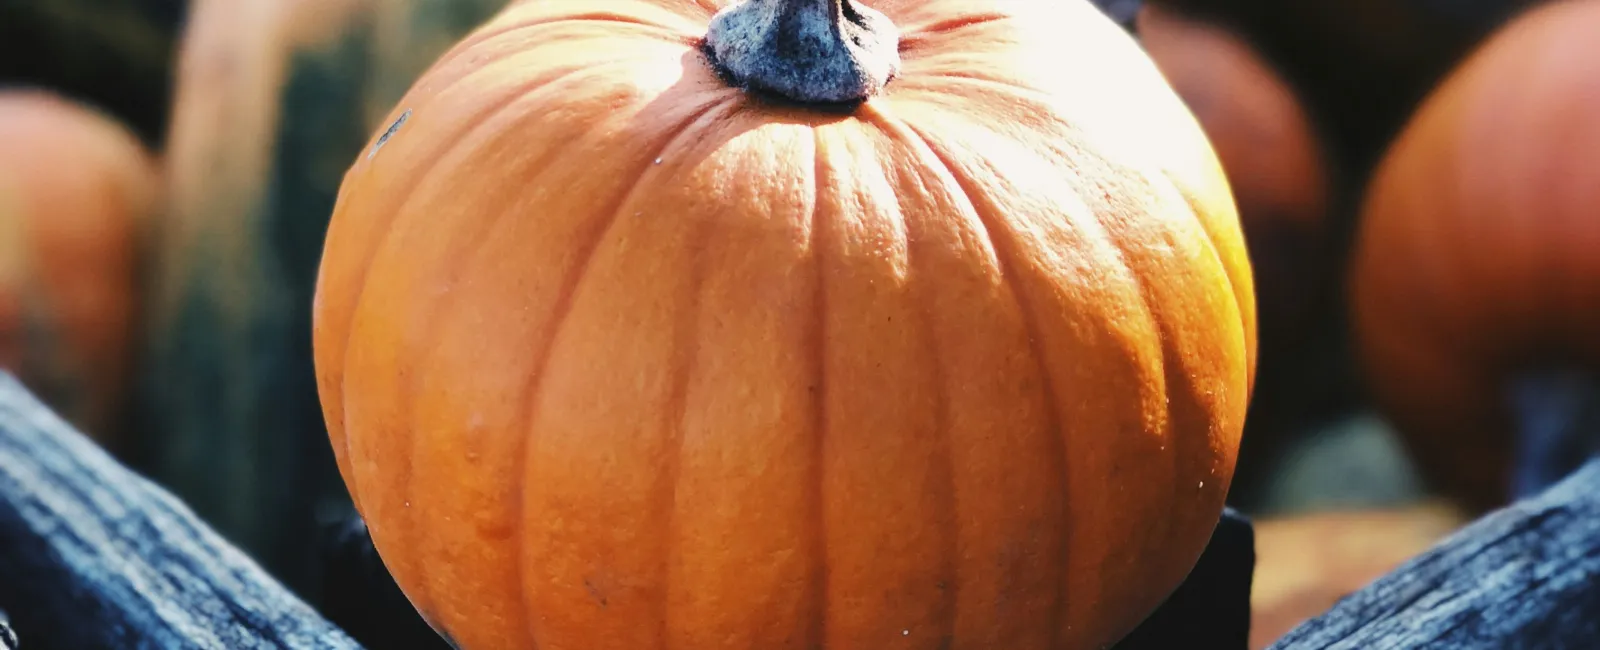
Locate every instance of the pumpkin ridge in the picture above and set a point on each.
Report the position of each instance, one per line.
(471, 248)
(951, 525)
(819, 347)
(1175, 386)
(389, 231)
(1244, 302)
(1102, 227)
(686, 342)
(714, 111)
(914, 33)
(479, 120)
(1030, 324)
(1164, 352)
(423, 597)
(992, 84)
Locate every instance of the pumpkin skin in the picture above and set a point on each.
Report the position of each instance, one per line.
(1270, 152)
(962, 367)
(1276, 169)
(273, 99)
(76, 190)
(1476, 256)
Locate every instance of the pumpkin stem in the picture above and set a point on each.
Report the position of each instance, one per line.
(806, 51)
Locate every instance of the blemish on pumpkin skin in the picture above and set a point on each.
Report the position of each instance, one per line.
(595, 593)
(393, 129)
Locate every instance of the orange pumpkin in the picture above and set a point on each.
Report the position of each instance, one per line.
(75, 190)
(1272, 156)
(1478, 256)
(639, 327)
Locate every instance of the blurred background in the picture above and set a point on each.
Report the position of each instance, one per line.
(168, 168)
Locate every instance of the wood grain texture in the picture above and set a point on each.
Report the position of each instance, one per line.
(1527, 576)
(1306, 563)
(94, 556)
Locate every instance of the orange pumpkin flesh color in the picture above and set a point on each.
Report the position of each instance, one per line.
(75, 190)
(1270, 152)
(616, 354)
(1479, 249)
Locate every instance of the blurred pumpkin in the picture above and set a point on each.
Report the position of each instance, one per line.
(618, 354)
(1478, 259)
(115, 55)
(76, 189)
(273, 99)
(1362, 66)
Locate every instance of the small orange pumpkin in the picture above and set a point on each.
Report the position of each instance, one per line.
(1478, 255)
(641, 327)
(75, 190)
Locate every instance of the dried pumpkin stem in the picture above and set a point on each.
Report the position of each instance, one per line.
(807, 51)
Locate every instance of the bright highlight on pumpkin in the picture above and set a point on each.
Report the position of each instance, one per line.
(618, 354)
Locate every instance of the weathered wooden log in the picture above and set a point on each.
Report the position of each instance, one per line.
(1307, 562)
(8, 637)
(274, 101)
(93, 556)
(1527, 576)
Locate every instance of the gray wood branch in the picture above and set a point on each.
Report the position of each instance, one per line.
(1527, 576)
(93, 556)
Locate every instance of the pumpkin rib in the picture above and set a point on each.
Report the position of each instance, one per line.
(992, 84)
(453, 146)
(1189, 200)
(1165, 351)
(1175, 381)
(914, 37)
(818, 498)
(562, 309)
(942, 416)
(1030, 324)
(482, 121)
(685, 343)
(1108, 234)
(1243, 302)
(915, 33)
